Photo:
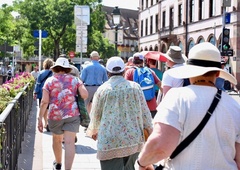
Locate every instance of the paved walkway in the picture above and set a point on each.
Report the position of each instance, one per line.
(37, 151)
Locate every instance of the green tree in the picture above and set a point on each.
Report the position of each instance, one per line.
(6, 27)
(57, 17)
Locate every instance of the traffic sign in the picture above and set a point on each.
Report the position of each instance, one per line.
(81, 14)
(81, 33)
(227, 18)
(36, 34)
(71, 54)
(82, 48)
(81, 27)
(81, 40)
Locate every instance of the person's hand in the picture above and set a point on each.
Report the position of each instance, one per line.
(40, 125)
(35, 96)
(94, 136)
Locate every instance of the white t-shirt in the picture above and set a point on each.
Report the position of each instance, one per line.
(35, 74)
(170, 81)
(214, 148)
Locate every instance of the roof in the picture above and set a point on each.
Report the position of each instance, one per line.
(129, 21)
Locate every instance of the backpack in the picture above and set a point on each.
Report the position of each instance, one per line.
(144, 77)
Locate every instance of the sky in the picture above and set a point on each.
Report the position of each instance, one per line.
(129, 4)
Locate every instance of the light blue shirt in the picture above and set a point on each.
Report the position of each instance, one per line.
(94, 74)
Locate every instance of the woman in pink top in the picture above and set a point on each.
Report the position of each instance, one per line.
(59, 93)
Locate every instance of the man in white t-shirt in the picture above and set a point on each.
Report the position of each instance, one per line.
(35, 73)
(217, 145)
(175, 59)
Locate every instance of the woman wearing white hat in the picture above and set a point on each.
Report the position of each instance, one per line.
(215, 144)
(59, 93)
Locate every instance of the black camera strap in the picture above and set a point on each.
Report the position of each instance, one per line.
(199, 128)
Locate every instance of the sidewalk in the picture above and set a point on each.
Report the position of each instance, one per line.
(37, 151)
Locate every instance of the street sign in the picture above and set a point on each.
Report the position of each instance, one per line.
(82, 48)
(81, 27)
(81, 40)
(227, 18)
(36, 34)
(227, 53)
(71, 54)
(81, 33)
(81, 15)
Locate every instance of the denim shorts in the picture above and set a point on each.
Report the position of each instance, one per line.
(69, 124)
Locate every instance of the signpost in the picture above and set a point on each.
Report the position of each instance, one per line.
(82, 20)
(40, 34)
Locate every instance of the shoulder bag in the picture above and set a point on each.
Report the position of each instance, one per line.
(84, 117)
(196, 131)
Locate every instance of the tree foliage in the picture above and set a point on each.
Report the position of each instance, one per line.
(57, 18)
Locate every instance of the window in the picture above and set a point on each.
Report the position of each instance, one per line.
(171, 18)
(201, 41)
(211, 8)
(151, 2)
(180, 14)
(156, 21)
(141, 28)
(181, 46)
(212, 40)
(164, 19)
(146, 3)
(191, 44)
(191, 17)
(151, 24)
(146, 27)
(201, 10)
(142, 5)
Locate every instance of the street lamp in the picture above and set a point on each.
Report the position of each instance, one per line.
(116, 20)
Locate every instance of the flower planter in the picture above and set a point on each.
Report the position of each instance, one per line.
(13, 122)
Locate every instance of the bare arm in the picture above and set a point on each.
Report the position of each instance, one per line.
(166, 89)
(160, 144)
(237, 157)
(159, 84)
(43, 107)
(83, 91)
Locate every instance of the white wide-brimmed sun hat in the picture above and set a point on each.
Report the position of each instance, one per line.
(62, 62)
(202, 58)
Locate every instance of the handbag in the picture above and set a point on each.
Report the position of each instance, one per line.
(146, 134)
(84, 117)
(196, 131)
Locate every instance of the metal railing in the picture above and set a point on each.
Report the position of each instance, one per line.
(13, 122)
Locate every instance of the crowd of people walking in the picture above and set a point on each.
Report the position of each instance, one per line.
(140, 115)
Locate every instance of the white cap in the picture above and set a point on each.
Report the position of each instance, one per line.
(114, 62)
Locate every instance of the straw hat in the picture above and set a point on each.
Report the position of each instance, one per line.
(202, 58)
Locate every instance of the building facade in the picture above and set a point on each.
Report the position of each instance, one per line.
(127, 33)
(184, 23)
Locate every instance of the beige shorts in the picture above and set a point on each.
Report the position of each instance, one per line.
(69, 124)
